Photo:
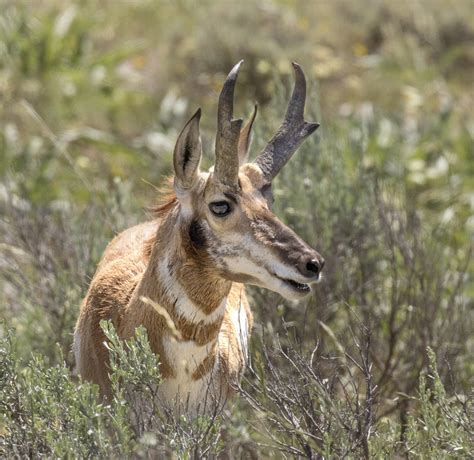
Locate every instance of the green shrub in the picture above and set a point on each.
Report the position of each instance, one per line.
(92, 96)
(46, 412)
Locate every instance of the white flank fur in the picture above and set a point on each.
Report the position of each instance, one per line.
(185, 357)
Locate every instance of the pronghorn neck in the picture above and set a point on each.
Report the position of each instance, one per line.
(183, 280)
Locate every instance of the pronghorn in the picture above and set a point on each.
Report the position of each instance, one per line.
(213, 233)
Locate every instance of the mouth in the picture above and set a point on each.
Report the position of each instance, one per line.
(300, 287)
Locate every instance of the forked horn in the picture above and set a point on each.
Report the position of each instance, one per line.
(228, 131)
(292, 132)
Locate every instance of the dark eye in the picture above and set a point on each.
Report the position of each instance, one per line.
(220, 208)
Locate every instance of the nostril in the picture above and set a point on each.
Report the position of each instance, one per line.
(314, 266)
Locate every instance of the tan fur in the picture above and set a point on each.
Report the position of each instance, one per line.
(126, 272)
(200, 332)
(205, 367)
(211, 232)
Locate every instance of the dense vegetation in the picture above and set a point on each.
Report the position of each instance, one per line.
(378, 362)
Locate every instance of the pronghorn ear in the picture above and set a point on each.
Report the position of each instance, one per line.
(245, 138)
(187, 153)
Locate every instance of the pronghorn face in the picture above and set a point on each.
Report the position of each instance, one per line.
(227, 212)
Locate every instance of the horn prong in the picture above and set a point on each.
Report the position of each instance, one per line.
(228, 132)
(296, 105)
(245, 137)
(292, 132)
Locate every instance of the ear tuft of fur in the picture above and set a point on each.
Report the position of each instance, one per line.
(167, 200)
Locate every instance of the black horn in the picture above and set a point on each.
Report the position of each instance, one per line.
(292, 132)
(228, 131)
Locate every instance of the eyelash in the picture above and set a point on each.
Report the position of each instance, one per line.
(225, 207)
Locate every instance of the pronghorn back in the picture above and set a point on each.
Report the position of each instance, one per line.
(213, 233)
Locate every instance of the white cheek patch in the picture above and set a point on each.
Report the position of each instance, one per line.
(242, 265)
(267, 258)
(245, 256)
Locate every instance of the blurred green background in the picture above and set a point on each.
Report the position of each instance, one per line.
(114, 82)
(94, 93)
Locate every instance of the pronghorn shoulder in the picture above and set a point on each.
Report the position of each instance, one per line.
(130, 243)
(121, 267)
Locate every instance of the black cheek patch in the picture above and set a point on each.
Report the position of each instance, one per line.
(197, 234)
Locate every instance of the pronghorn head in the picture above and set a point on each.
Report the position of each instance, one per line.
(227, 212)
